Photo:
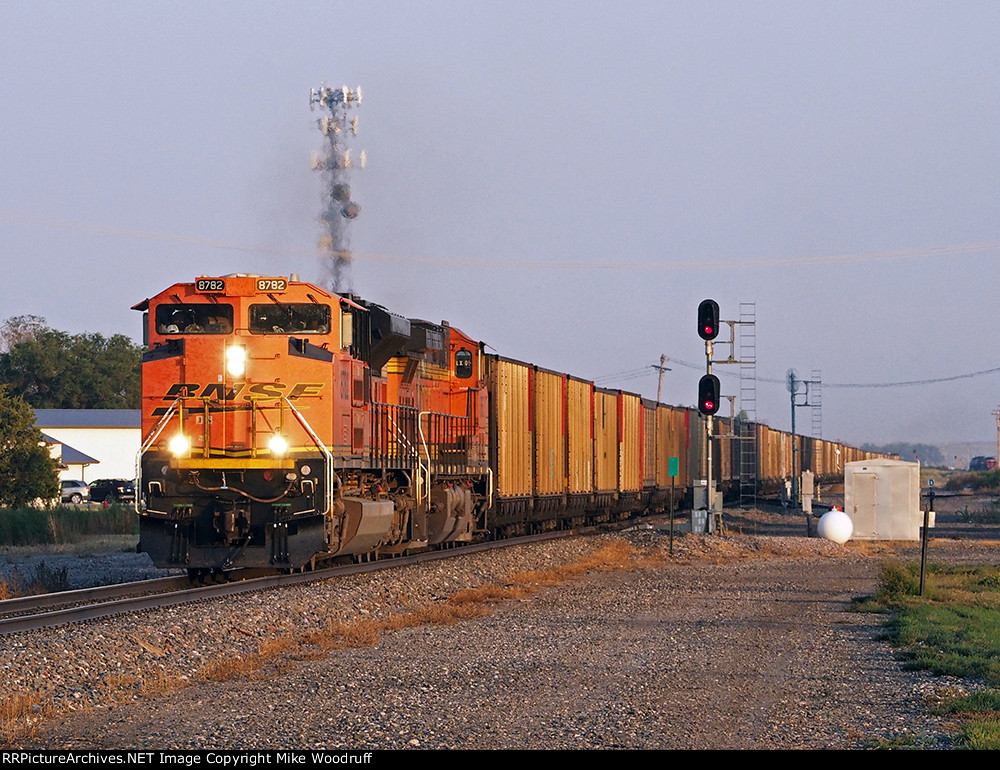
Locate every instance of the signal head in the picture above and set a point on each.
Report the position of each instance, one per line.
(708, 319)
(709, 394)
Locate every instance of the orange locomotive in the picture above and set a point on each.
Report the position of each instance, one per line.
(282, 423)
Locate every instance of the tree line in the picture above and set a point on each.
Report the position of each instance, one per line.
(44, 368)
(927, 454)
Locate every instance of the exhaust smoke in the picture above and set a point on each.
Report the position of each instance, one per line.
(339, 126)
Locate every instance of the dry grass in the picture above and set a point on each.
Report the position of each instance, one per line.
(21, 714)
(465, 604)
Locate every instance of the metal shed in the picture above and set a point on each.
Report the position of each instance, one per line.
(882, 497)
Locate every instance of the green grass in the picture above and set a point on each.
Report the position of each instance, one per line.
(954, 629)
(986, 514)
(977, 481)
(63, 524)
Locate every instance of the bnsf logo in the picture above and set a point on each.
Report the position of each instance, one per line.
(216, 391)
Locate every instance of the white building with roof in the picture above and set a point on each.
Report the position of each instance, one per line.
(92, 443)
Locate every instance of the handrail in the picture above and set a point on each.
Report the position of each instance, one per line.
(154, 434)
(400, 436)
(424, 470)
(322, 448)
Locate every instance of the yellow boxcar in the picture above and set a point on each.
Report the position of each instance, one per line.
(605, 440)
(629, 442)
(548, 421)
(580, 435)
(775, 455)
(509, 388)
(648, 443)
(672, 441)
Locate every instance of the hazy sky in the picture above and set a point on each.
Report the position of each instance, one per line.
(565, 181)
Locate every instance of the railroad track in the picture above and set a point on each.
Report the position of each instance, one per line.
(66, 607)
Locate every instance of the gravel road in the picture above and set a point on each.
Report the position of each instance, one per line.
(737, 642)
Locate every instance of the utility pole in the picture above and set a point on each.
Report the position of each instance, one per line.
(662, 368)
(792, 383)
(996, 414)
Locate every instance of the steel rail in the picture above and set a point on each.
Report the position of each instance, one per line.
(103, 608)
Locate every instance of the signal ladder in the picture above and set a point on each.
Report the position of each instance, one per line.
(746, 422)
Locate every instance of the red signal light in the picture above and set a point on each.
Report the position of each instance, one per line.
(708, 394)
(708, 319)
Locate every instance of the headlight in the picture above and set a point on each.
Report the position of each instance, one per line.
(236, 360)
(179, 445)
(278, 445)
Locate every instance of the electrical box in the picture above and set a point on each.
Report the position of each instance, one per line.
(699, 494)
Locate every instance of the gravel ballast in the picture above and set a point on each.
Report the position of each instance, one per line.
(737, 642)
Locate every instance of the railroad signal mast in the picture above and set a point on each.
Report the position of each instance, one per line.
(792, 383)
(708, 386)
(710, 393)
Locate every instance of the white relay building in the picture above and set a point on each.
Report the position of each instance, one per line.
(882, 497)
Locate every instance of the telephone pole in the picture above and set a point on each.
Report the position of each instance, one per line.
(662, 368)
(996, 414)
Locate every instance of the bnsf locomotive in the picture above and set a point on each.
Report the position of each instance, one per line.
(283, 426)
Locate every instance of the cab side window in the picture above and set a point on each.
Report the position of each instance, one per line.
(463, 364)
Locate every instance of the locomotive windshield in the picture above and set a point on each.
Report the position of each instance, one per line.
(194, 319)
(292, 318)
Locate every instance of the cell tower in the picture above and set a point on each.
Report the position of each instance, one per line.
(339, 126)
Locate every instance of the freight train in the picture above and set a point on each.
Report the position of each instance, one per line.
(284, 426)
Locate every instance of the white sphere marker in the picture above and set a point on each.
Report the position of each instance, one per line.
(836, 525)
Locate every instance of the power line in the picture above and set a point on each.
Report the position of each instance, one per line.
(636, 374)
(514, 263)
(909, 383)
(845, 385)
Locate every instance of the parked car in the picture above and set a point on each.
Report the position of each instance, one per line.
(112, 490)
(75, 491)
